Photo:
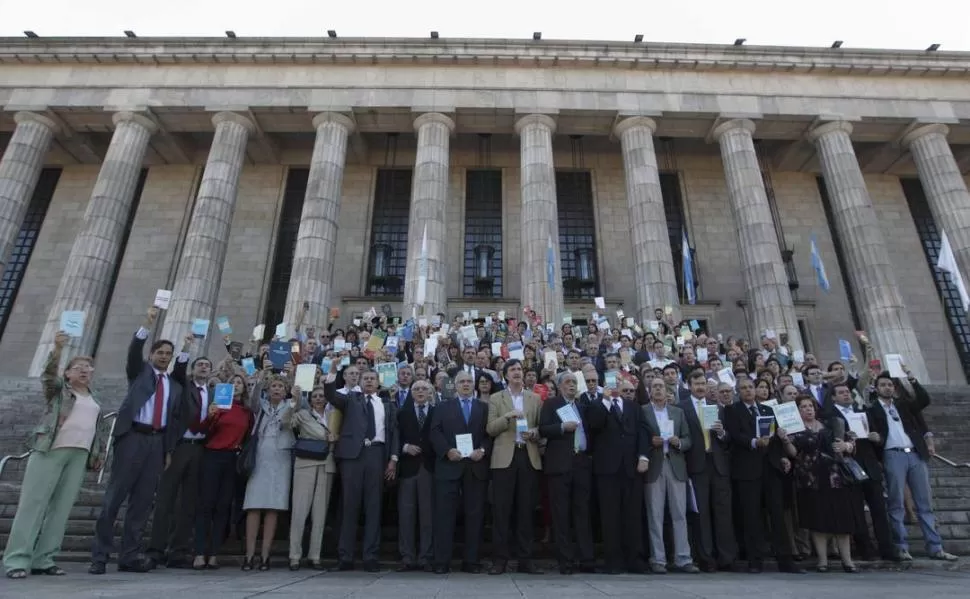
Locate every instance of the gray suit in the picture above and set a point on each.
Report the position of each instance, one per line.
(667, 486)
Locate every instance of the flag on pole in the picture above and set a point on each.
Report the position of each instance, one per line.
(947, 262)
(823, 279)
(422, 270)
(688, 272)
(551, 265)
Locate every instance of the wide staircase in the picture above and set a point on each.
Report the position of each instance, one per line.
(21, 403)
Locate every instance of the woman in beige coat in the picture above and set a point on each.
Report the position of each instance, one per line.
(312, 479)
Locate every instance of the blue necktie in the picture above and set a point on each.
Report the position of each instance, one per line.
(466, 409)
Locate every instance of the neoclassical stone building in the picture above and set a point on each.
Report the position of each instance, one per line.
(251, 175)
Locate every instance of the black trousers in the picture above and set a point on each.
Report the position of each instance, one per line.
(470, 492)
(569, 495)
(757, 495)
(516, 488)
(215, 506)
(363, 484)
(621, 511)
(872, 491)
(712, 527)
(176, 500)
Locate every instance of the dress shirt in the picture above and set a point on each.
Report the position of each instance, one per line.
(379, 428)
(204, 394)
(662, 417)
(608, 403)
(754, 406)
(897, 437)
(846, 410)
(816, 391)
(518, 405)
(147, 412)
(706, 426)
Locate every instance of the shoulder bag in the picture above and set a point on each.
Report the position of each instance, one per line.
(246, 460)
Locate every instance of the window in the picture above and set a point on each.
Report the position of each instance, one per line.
(24, 244)
(389, 233)
(674, 211)
(286, 235)
(135, 201)
(483, 234)
(577, 234)
(931, 238)
(839, 257)
(806, 338)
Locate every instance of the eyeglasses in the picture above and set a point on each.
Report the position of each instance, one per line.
(81, 368)
(626, 391)
(592, 381)
(893, 413)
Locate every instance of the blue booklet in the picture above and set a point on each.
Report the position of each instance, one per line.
(279, 354)
(223, 396)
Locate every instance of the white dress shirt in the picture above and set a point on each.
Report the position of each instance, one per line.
(896, 437)
(146, 415)
(518, 404)
(608, 403)
(379, 427)
(662, 418)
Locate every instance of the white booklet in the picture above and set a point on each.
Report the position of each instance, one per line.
(567, 414)
(788, 418)
(464, 445)
(858, 424)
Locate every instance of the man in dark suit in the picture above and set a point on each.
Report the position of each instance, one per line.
(758, 479)
(620, 450)
(708, 463)
(148, 425)
(568, 466)
(367, 455)
(468, 364)
(900, 438)
(457, 477)
(405, 376)
(415, 478)
(842, 407)
(170, 540)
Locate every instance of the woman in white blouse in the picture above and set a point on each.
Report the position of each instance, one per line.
(67, 441)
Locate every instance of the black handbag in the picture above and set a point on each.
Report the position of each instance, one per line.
(852, 471)
(246, 460)
(311, 449)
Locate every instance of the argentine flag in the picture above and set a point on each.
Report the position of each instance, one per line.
(688, 272)
(823, 280)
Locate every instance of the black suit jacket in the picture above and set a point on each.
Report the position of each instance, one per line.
(558, 458)
(407, 398)
(407, 423)
(617, 442)
(697, 454)
(865, 450)
(454, 371)
(909, 414)
(141, 386)
(448, 421)
(746, 463)
(353, 430)
(192, 417)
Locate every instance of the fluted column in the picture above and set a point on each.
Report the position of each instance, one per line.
(19, 171)
(316, 242)
(429, 201)
(540, 217)
(97, 247)
(868, 266)
(946, 190)
(199, 275)
(653, 262)
(766, 284)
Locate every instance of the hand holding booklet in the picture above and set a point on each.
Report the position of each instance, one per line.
(567, 414)
(788, 418)
(464, 445)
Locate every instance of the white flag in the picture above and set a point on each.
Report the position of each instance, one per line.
(422, 270)
(947, 262)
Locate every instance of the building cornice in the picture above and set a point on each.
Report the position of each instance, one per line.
(501, 52)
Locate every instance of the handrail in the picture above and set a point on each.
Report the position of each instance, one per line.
(3, 462)
(107, 447)
(950, 462)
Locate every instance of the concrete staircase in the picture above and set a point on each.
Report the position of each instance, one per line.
(21, 403)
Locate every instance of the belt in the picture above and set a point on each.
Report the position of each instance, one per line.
(369, 443)
(520, 445)
(902, 449)
(146, 429)
(186, 441)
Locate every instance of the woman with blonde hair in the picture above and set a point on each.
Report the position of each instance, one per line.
(67, 441)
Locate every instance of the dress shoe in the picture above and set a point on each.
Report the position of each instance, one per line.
(96, 568)
(372, 566)
(405, 568)
(441, 569)
(708, 567)
(139, 565)
(904, 556)
(496, 569)
(343, 567)
(790, 567)
(427, 568)
(528, 568)
(755, 568)
(470, 568)
(658, 569)
(688, 569)
(587, 568)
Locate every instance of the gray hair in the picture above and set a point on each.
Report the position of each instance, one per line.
(463, 374)
(565, 375)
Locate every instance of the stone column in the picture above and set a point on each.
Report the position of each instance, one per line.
(653, 262)
(311, 277)
(869, 268)
(19, 171)
(429, 201)
(97, 247)
(946, 190)
(766, 284)
(540, 218)
(199, 275)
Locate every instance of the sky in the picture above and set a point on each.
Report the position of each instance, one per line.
(894, 24)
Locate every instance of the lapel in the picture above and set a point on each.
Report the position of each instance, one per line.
(687, 405)
(652, 418)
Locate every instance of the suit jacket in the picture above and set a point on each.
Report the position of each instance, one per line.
(454, 371)
(141, 386)
(651, 428)
(407, 423)
(193, 399)
(407, 398)
(503, 431)
(618, 442)
(746, 463)
(558, 458)
(909, 414)
(353, 429)
(447, 421)
(865, 450)
(697, 454)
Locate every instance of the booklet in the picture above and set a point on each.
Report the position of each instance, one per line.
(766, 426)
(306, 375)
(224, 327)
(387, 373)
(709, 416)
(162, 298)
(249, 365)
(279, 354)
(788, 418)
(223, 396)
(72, 323)
(464, 445)
(667, 429)
(858, 424)
(568, 413)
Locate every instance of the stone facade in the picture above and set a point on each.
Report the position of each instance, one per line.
(566, 86)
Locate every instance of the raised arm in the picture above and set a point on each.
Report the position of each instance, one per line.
(136, 351)
(50, 380)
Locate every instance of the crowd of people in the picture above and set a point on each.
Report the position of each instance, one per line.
(678, 449)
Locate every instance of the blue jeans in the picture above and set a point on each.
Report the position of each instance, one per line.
(908, 468)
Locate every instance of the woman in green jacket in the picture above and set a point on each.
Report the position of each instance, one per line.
(67, 441)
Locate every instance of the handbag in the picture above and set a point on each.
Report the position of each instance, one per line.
(246, 460)
(311, 449)
(852, 472)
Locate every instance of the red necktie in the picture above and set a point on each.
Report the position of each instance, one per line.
(159, 401)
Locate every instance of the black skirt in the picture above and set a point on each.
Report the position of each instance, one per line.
(831, 511)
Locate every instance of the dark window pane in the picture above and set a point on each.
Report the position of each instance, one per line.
(577, 234)
(289, 228)
(483, 234)
(676, 228)
(389, 233)
(932, 240)
(839, 256)
(13, 274)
